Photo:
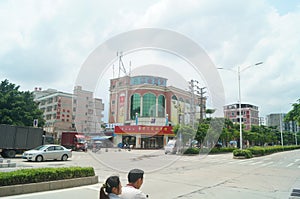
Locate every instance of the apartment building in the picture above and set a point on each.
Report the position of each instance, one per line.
(277, 120)
(70, 112)
(249, 114)
(87, 111)
(57, 108)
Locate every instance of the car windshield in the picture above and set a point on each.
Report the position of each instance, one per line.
(81, 140)
(40, 148)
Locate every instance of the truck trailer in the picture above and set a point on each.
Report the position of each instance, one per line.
(17, 139)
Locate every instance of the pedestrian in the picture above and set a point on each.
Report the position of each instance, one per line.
(113, 188)
(132, 189)
(85, 146)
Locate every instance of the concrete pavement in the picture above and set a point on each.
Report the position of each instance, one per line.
(170, 176)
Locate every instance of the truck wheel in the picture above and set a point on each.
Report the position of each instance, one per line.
(64, 157)
(10, 153)
(39, 158)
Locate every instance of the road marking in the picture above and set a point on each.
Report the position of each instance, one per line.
(289, 164)
(267, 163)
(231, 162)
(297, 160)
(246, 162)
(255, 163)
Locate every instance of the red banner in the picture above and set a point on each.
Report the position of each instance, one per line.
(146, 130)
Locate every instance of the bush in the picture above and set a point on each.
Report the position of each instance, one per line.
(192, 150)
(222, 150)
(242, 153)
(25, 176)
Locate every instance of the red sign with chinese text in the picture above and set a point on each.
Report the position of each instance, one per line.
(146, 130)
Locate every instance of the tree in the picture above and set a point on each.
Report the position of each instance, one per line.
(294, 114)
(18, 107)
(210, 111)
(201, 132)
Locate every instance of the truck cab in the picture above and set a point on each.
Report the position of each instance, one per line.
(73, 140)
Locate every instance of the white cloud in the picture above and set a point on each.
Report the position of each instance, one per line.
(55, 37)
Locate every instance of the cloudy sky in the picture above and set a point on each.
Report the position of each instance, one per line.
(45, 43)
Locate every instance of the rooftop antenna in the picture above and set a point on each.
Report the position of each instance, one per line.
(129, 68)
(113, 71)
(121, 64)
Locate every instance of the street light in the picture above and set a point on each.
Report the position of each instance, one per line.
(240, 104)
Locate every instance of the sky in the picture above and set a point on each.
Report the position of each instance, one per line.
(45, 43)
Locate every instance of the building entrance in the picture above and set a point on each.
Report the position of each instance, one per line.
(155, 142)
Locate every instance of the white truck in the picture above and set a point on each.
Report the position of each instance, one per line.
(171, 147)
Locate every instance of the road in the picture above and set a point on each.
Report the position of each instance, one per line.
(173, 176)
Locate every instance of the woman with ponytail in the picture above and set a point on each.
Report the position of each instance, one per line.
(111, 189)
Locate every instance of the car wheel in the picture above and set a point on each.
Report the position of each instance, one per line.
(39, 158)
(64, 157)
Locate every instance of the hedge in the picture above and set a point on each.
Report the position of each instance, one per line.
(25, 176)
(195, 150)
(242, 153)
(260, 151)
(192, 150)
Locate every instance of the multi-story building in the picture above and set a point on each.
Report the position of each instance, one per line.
(249, 114)
(57, 108)
(145, 105)
(277, 120)
(70, 112)
(88, 111)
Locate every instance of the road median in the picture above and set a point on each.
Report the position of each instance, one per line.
(46, 186)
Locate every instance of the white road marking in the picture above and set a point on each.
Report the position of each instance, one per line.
(267, 163)
(289, 164)
(255, 163)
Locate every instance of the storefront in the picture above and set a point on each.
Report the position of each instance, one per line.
(145, 137)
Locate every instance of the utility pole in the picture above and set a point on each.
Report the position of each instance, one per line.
(201, 102)
(199, 91)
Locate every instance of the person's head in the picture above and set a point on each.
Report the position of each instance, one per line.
(136, 177)
(111, 185)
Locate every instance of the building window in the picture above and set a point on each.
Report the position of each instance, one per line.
(49, 108)
(161, 106)
(149, 105)
(135, 106)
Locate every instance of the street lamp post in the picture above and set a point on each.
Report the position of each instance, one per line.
(240, 100)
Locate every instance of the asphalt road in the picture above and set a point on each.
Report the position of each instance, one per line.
(173, 176)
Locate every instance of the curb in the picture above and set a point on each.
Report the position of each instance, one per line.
(46, 186)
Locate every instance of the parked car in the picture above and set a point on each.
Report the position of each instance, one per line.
(48, 152)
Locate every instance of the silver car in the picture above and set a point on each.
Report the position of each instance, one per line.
(48, 152)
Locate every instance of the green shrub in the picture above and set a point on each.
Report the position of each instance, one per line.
(221, 150)
(24, 176)
(192, 150)
(242, 153)
(257, 150)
